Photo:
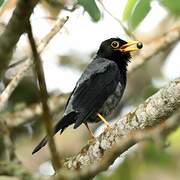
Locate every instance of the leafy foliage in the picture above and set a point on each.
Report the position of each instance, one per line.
(172, 5)
(139, 12)
(173, 139)
(128, 9)
(1, 2)
(91, 7)
(135, 11)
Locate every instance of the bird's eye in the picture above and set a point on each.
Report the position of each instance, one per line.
(115, 44)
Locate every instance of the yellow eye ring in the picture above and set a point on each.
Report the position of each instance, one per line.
(115, 44)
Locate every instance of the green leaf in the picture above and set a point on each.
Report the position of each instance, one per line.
(156, 156)
(173, 138)
(1, 2)
(141, 9)
(91, 7)
(172, 5)
(128, 9)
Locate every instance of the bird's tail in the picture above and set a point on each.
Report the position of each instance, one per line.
(61, 125)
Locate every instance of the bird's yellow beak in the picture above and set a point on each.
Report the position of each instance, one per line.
(127, 47)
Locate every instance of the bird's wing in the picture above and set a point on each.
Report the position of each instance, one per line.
(96, 84)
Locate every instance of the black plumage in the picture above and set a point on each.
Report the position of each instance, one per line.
(99, 88)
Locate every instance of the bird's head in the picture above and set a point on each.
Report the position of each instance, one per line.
(117, 49)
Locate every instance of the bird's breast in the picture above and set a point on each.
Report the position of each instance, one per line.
(111, 103)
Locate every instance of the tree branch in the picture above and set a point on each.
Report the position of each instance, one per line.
(129, 34)
(24, 115)
(155, 47)
(164, 42)
(120, 147)
(13, 31)
(44, 98)
(28, 63)
(154, 110)
(9, 151)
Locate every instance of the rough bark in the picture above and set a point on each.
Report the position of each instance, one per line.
(154, 110)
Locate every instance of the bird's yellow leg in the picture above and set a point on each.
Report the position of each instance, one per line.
(104, 120)
(92, 137)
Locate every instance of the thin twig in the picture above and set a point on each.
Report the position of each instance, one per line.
(56, 28)
(158, 45)
(15, 28)
(43, 42)
(8, 144)
(130, 34)
(44, 98)
(26, 114)
(17, 63)
(28, 63)
(13, 84)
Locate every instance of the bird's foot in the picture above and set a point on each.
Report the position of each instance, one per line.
(108, 125)
(107, 128)
(92, 137)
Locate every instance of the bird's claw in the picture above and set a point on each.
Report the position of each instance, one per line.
(92, 140)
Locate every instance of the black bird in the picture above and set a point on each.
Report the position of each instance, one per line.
(99, 89)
